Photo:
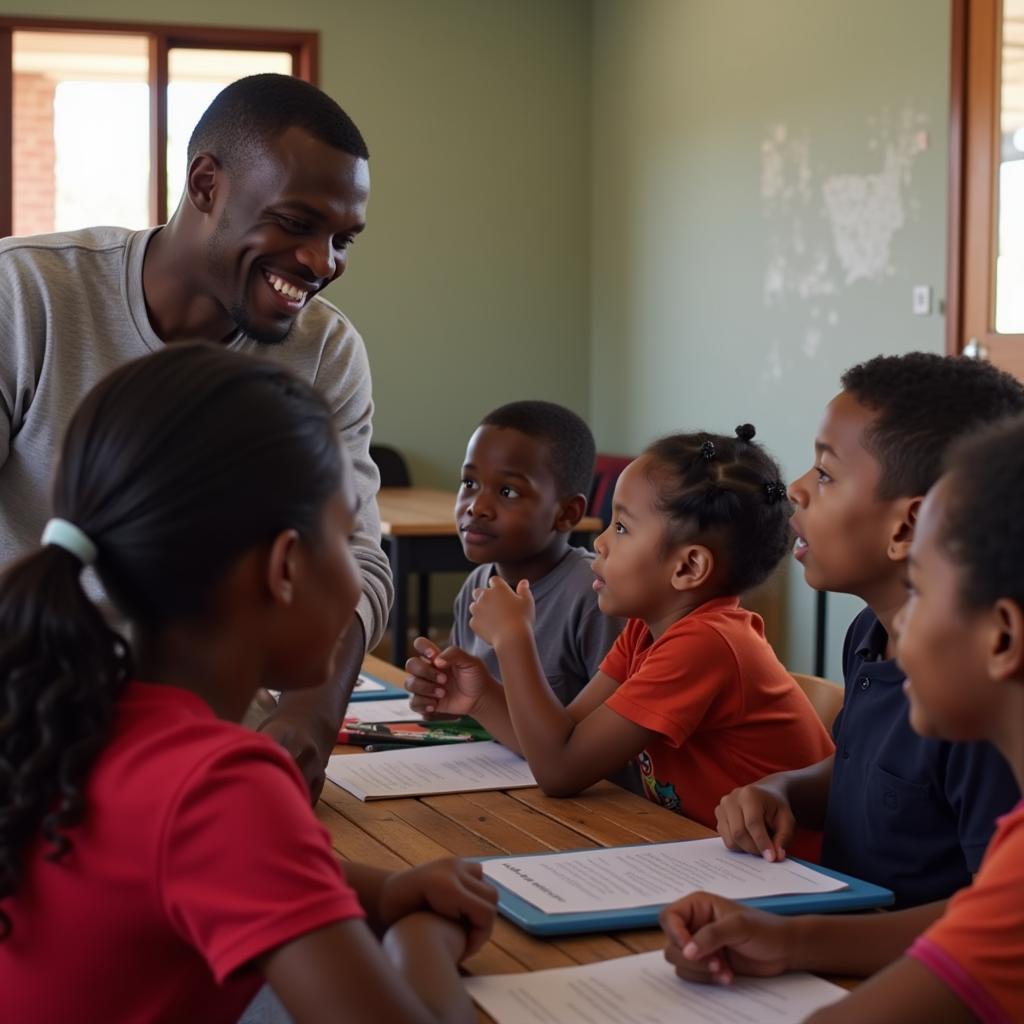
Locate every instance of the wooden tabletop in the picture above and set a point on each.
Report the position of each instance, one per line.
(428, 512)
(399, 833)
(404, 832)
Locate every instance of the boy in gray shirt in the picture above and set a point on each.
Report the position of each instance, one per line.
(524, 484)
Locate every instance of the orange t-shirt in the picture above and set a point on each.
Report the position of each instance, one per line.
(725, 710)
(977, 946)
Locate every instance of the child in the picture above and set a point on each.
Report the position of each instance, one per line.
(960, 639)
(691, 687)
(909, 814)
(524, 490)
(139, 826)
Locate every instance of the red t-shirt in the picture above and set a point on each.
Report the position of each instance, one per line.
(198, 852)
(977, 946)
(725, 710)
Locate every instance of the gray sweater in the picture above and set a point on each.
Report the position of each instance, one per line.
(72, 309)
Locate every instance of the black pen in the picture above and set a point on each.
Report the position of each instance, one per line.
(374, 748)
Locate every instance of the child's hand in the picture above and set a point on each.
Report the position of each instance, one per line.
(453, 889)
(756, 820)
(713, 939)
(448, 682)
(499, 611)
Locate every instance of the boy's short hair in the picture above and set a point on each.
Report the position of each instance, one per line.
(924, 402)
(570, 443)
(254, 110)
(983, 529)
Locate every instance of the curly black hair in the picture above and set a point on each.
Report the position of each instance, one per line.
(925, 402)
(173, 466)
(570, 444)
(252, 111)
(983, 517)
(729, 485)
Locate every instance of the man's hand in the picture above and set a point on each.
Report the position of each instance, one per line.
(309, 742)
(306, 722)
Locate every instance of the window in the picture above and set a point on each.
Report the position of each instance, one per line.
(95, 118)
(986, 255)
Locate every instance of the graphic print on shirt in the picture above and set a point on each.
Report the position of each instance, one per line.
(663, 793)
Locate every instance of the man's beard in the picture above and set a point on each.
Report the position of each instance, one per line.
(240, 316)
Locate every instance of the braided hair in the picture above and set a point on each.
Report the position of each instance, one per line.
(173, 466)
(725, 486)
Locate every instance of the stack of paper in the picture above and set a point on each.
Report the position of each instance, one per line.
(454, 768)
(622, 877)
(645, 988)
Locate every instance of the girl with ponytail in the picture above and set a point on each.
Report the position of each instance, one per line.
(157, 861)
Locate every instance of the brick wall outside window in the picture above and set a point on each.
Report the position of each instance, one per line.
(34, 179)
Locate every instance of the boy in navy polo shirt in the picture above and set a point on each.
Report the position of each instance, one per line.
(905, 812)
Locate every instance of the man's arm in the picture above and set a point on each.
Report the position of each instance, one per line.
(306, 722)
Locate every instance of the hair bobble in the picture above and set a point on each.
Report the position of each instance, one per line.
(707, 451)
(746, 432)
(775, 492)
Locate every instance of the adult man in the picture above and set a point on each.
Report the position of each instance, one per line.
(276, 192)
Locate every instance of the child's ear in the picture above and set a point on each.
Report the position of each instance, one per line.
(569, 513)
(907, 510)
(202, 180)
(1006, 647)
(282, 567)
(693, 567)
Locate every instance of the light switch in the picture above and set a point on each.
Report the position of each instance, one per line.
(921, 302)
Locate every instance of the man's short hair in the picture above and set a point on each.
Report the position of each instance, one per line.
(925, 402)
(570, 444)
(252, 111)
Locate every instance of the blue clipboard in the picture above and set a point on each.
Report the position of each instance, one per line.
(858, 896)
(388, 693)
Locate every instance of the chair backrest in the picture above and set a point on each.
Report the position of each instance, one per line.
(825, 696)
(606, 471)
(391, 463)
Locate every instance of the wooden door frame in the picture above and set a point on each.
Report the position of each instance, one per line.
(974, 156)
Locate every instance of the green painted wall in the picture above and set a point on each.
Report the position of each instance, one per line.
(666, 213)
(470, 285)
(763, 202)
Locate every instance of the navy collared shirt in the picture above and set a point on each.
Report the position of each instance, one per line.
(909, 813)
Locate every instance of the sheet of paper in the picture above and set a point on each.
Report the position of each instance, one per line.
(450, 768)
(645, 988)
(364, 684)
(641, 876)
(394, 709)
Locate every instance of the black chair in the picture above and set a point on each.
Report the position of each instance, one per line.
(393, 470)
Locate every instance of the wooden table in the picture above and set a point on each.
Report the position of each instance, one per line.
(399, 833)
(419, 533)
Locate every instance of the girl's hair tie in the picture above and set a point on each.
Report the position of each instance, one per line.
(775, 491)
(62, 534)
(707, 451)
(746, 432)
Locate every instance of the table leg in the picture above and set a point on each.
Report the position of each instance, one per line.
(398, 553)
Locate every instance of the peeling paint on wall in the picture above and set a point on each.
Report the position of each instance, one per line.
(832, 229)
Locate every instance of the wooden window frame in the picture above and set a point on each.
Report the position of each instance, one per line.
(304, 48)
(974, 136)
